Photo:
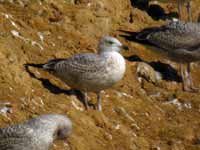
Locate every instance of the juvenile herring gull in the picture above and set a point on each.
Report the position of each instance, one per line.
(35, 134)
(90, 72)
(180, 41)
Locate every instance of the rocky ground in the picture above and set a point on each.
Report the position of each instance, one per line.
(155, 117)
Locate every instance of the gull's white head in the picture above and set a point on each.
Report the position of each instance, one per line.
(108, 44)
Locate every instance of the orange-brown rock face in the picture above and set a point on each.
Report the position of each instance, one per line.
(133, 118)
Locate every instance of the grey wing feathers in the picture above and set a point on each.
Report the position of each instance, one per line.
(13, 136)
(13, 131)
(80, 63)
(50, 66)
(176, 35)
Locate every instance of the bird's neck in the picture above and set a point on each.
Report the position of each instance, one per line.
(106, 53)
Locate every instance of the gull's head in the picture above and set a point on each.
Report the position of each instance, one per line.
(108, 44)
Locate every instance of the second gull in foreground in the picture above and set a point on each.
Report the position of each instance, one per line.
(35, 134)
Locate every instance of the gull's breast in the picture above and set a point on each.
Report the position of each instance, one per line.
(115, 67)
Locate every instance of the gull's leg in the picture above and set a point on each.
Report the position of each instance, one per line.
(184, 75)
(179, 9)
(85, 99)
(98, 105)
(182, 71)
(192, 87)
(189, 11)
(189, 74)
(187, 79)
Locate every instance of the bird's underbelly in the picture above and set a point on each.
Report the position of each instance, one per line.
(184, 56)
(179, 55)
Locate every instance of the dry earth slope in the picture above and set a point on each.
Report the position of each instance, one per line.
(154, 118)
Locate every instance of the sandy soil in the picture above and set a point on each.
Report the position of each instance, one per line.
(161, 117)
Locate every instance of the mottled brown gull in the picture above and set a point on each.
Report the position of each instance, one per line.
(178, 40)
(90, 72)
(35, 134)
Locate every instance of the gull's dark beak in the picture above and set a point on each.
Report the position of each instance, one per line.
(124, 47)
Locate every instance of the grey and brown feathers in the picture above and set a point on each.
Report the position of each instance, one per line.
(90, 72)
(180, 40)
(35, 134)
(77, 70)
(176, 35)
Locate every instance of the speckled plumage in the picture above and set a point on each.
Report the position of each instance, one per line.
(177, 39)
(35, 134)
(90, 72)
(180, 40)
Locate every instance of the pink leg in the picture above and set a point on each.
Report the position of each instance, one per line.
(187, 79)
(98, 105)
(189, 11)
(179, 9)
(86, 101)
(192, 87)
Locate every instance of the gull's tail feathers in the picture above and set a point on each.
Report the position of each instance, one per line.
(49, 66)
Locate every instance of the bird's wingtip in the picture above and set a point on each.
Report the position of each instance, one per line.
(33, 65)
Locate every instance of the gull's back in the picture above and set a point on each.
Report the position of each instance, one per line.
(18, 138)
(179, 40)
(36, 134)
(175, 35)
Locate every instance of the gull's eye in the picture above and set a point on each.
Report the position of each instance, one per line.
(109, 42)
